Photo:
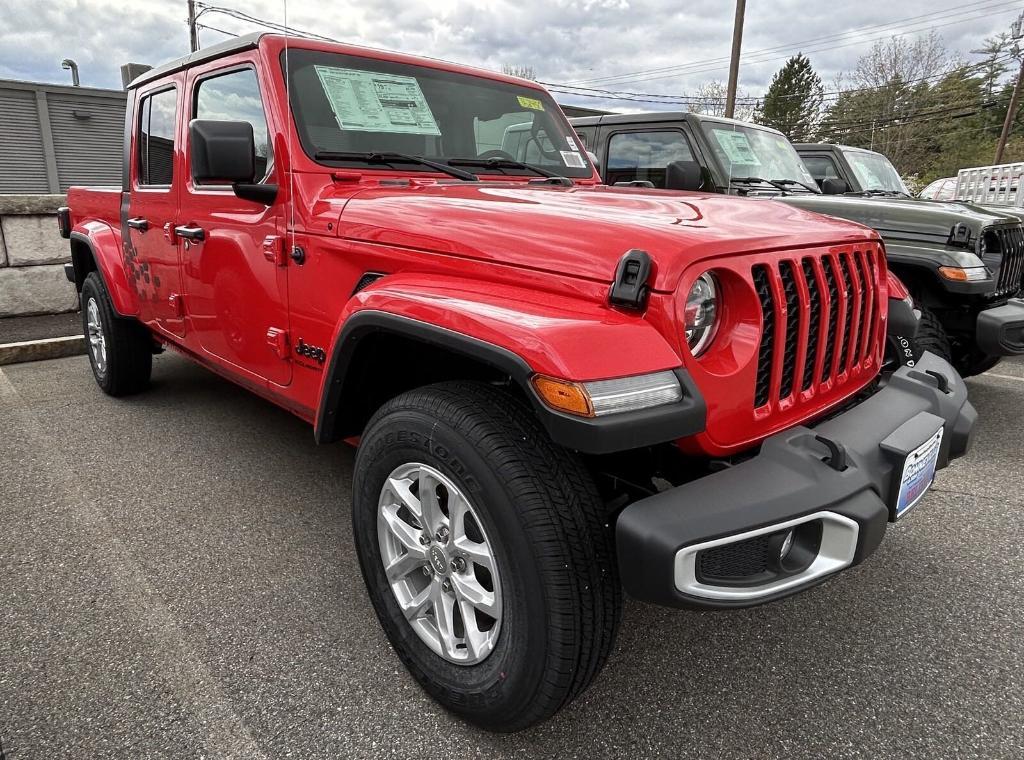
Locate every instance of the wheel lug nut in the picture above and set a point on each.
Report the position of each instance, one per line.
(424, 539)
(442, 534)
(458, 564)
(428, 570)
(446, 585)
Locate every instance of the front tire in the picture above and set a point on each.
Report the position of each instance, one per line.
(120, 350)
(501, 594)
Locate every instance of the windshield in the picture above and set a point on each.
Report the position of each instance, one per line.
(875, 172)
(745, 151)
(354, 105)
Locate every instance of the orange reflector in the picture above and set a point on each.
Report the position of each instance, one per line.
(563, 395)
(953, 273)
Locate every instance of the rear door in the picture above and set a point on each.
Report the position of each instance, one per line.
(151, 255)
(235, 278)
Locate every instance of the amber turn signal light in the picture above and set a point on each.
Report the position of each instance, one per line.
(964, 274)
(563, 395)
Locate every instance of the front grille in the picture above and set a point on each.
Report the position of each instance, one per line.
(734, 561)
(830, 298)
(1010, 241)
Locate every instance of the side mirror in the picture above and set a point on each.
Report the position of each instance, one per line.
(222, 151)
(593, 159)
(834, 186)
(225, 152)
(683, 175)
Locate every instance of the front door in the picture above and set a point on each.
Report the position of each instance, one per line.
(235, 278)
(151, 254)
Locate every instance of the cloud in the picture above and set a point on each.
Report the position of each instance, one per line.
(563, 41)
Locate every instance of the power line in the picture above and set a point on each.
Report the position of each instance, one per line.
(987, 7)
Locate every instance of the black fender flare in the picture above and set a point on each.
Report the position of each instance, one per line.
(596, 435)
(926, 260)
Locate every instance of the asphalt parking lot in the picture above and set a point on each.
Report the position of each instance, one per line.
(177, 580)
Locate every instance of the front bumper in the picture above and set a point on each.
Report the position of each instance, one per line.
(1000, 330)
(835, 492)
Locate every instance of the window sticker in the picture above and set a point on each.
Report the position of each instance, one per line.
(532, 103)
(571, 143)
(368, 101)
(572, 159)
(737, 147)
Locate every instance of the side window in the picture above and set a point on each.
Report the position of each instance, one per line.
(644, 155)
(235, 96)
(156, 138)
(820, 167)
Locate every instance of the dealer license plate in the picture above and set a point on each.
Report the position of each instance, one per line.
(918, 473)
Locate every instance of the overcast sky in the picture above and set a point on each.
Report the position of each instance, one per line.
(585, 42)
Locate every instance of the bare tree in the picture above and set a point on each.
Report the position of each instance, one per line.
(709, 99)
(523, 72)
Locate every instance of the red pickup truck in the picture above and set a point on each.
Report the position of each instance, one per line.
(558, 389)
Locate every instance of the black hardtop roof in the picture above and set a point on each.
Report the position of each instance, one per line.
(833, 146)
(221, 49)
(658, 117)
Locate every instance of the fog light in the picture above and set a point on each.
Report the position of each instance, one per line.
(787, 544)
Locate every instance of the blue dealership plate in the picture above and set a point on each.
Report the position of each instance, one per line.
(918, 473)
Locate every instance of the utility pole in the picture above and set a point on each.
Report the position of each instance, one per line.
(734, 63)
(1011, 112)
(193, 33)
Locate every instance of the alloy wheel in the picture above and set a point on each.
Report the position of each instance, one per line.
(439, 563)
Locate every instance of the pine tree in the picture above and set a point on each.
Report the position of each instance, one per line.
(793, 101)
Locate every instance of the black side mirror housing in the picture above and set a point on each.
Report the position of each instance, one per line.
(222, 151)
(834, 186)
(683, 175)
(225, 152)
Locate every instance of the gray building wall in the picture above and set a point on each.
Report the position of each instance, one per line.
(54, 136)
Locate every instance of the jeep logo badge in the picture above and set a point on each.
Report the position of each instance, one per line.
(438, 560)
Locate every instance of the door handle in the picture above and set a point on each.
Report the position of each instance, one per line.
(190, 233)
(138, 223)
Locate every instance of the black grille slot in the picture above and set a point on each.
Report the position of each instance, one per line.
(764, 351)
(793, 317)
(867, 306)
(1011, 244)
(735, 561)
(844, 338)
(833, 318)
(814, 323)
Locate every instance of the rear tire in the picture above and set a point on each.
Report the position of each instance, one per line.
(120, 350)
(541, 518)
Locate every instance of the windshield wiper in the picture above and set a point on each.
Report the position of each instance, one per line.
(498, 163)
(776, 183)
(395, 158)
(814, 190)
(879, 191)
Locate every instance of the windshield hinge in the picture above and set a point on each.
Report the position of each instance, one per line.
(629, 289)
(558, 181)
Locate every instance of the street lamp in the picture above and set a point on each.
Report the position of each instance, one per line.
(69, 64)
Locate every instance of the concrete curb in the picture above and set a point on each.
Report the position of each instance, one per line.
(37, 350)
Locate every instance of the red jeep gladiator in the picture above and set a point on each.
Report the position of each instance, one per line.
(558, 390)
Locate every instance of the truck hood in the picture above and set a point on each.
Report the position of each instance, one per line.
(904, 218)
(581, 231)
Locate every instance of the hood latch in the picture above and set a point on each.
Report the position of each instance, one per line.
(629, 289)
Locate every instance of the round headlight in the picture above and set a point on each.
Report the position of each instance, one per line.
(700, 315)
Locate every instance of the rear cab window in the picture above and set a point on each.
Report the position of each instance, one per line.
(156, 130)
